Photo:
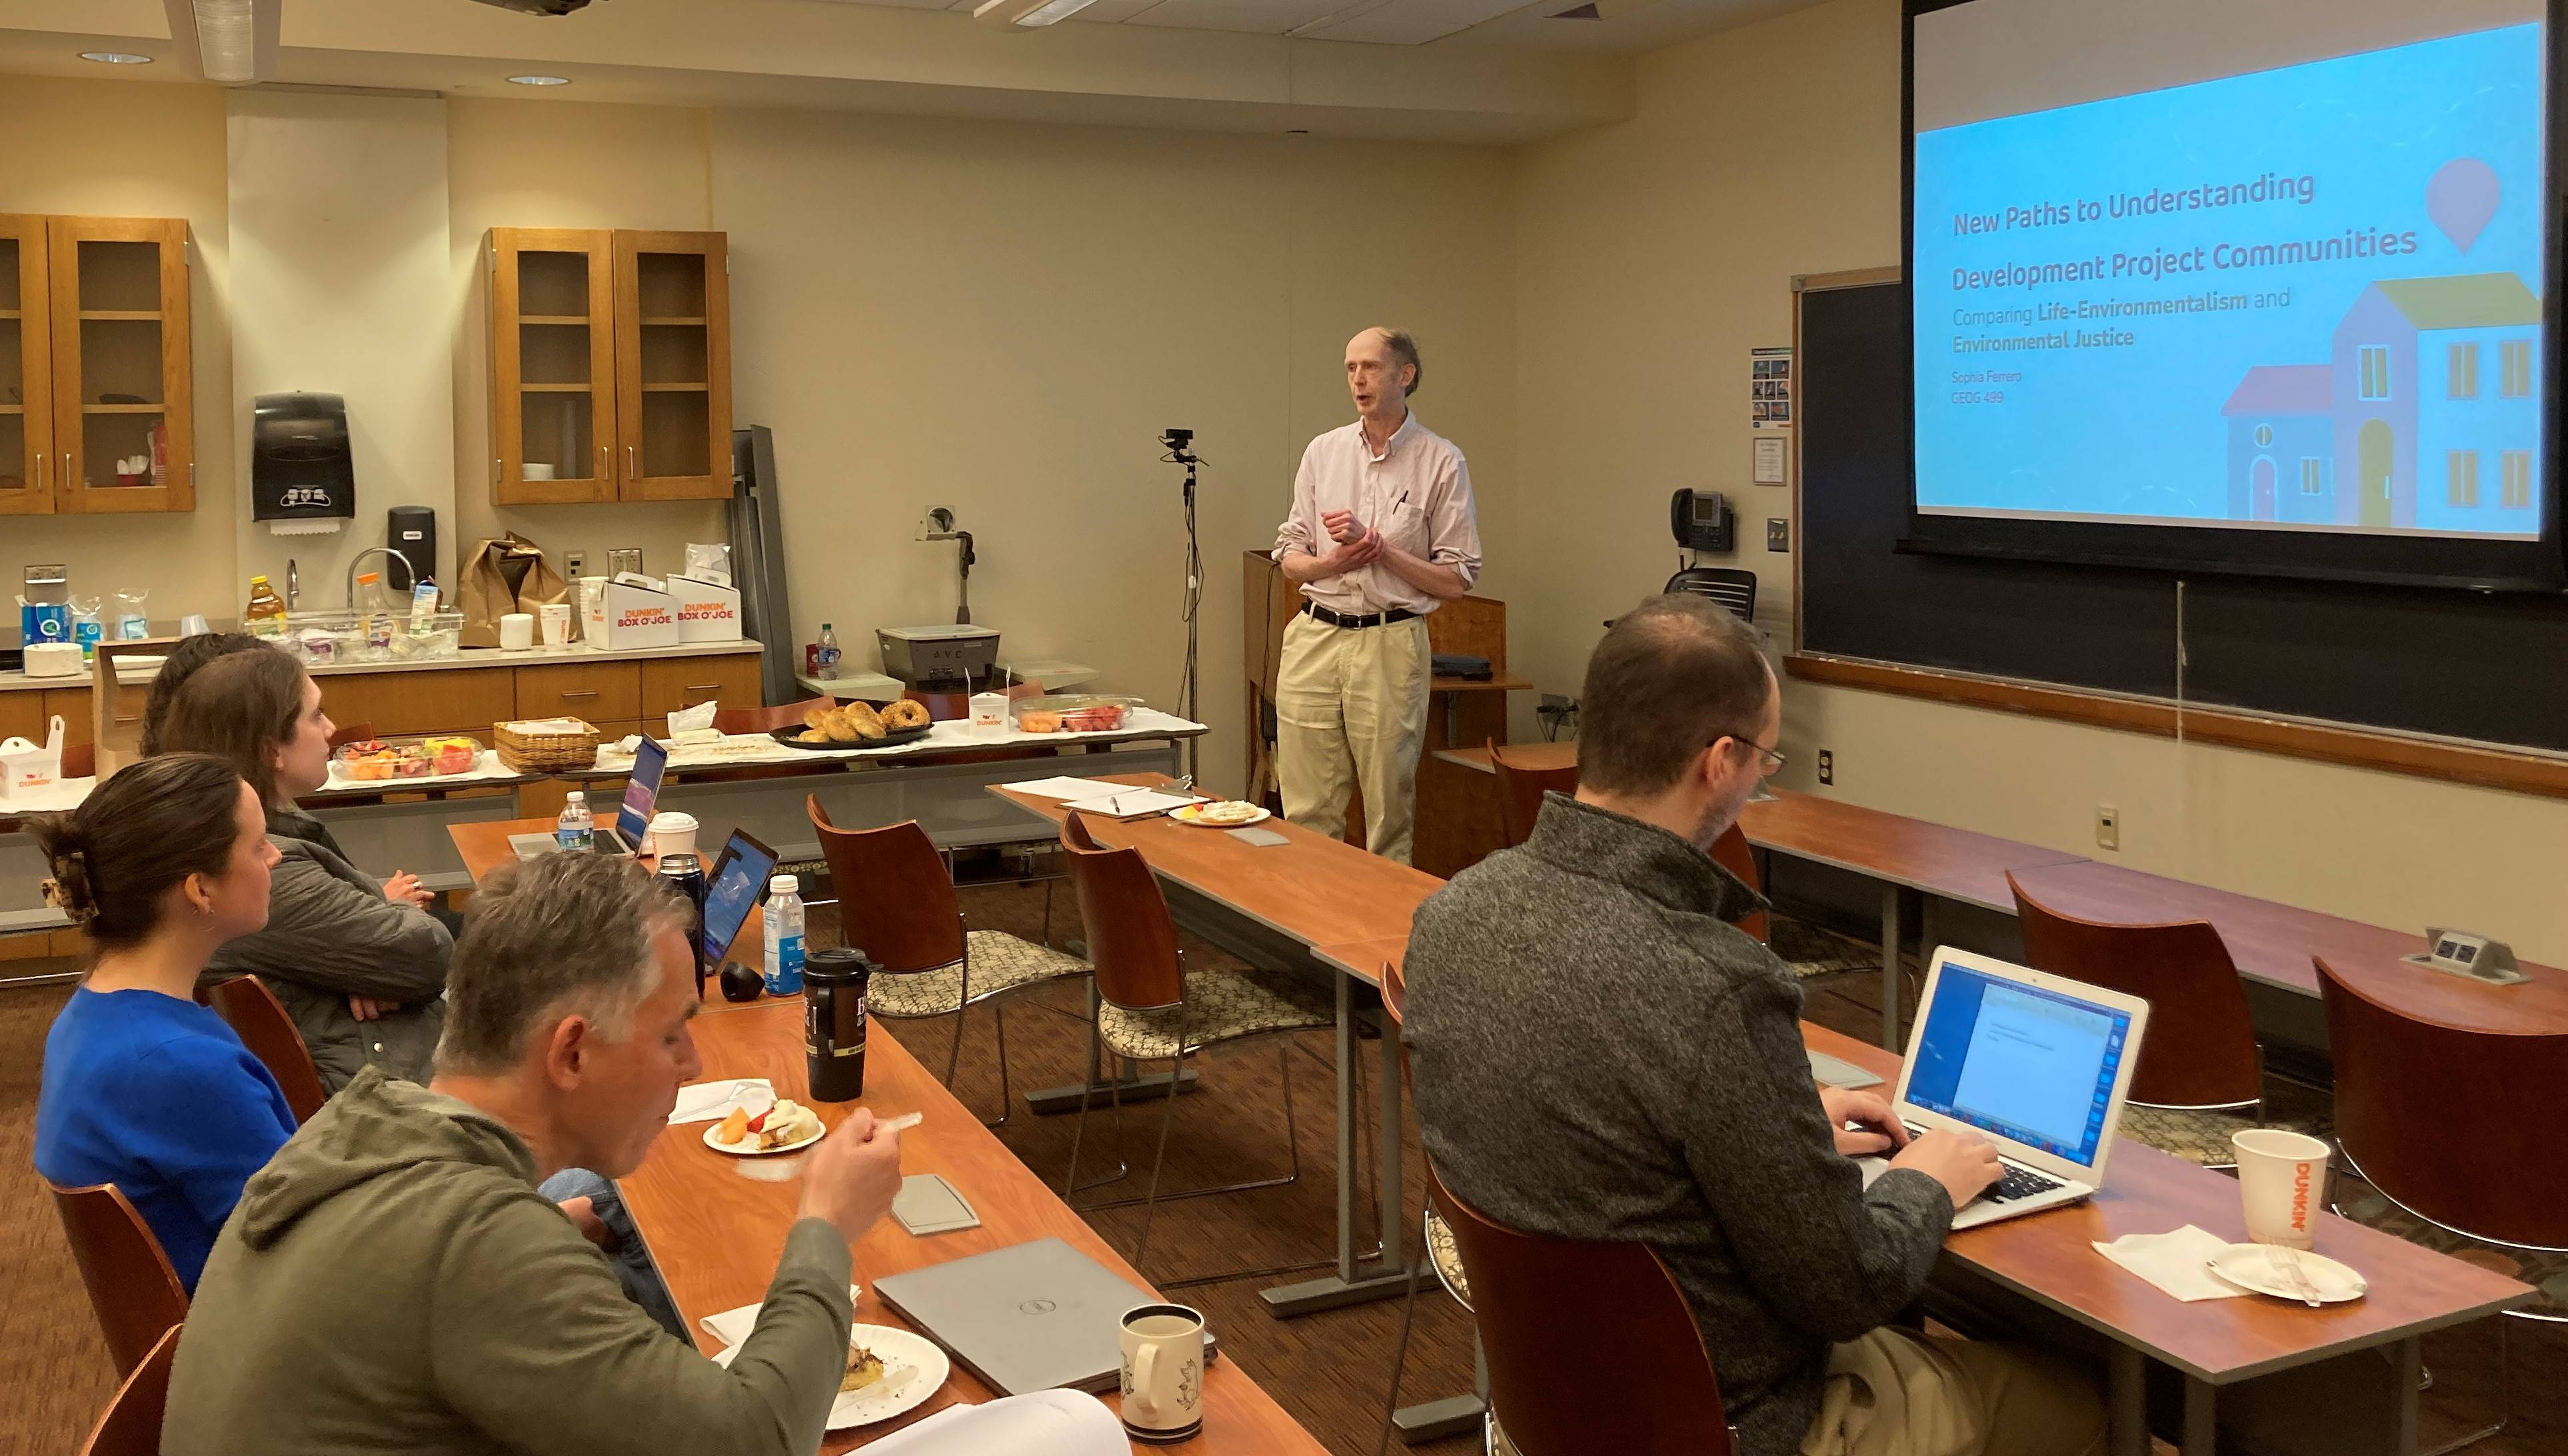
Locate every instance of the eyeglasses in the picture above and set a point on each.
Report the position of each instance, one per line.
(1770, 760)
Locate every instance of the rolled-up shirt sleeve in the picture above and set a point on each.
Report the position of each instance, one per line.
(1454, 526)
(1301, 528)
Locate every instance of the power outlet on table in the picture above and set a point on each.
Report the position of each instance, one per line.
(2108, 827)
(1828, 767)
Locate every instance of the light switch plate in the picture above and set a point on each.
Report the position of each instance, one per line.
(1778, 534)
(574, 564)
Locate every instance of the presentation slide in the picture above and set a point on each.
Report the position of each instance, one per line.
(2036, 1065)
(2232, 275)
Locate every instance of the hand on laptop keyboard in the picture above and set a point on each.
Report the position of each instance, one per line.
(1964, 1163)
(2019, 1182)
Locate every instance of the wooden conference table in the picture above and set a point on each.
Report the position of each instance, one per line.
(1312, 890)
(2271, 942)
(2282, 1367)
(716, 1223)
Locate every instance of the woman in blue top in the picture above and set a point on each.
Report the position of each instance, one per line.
(142, 1087)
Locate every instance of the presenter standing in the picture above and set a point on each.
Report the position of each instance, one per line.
(1381, 533)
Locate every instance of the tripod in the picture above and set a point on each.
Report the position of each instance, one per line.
(1180, 451)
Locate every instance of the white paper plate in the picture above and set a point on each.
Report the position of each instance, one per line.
(2257, 1268)
(341, 778)
(744, 1149)
(914, 1369)
(1189, 815)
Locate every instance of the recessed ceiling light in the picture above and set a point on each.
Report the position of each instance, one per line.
(539, 81)
(116, 58)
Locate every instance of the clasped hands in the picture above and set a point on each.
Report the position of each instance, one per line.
(1358, 544)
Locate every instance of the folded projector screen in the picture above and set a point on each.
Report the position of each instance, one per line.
(2219, 282)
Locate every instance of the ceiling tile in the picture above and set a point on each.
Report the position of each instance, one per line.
(1257, 17)
(1416, 22)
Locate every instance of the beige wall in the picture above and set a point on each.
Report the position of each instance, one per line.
(1002, 318)
(563, 164)
(126, 149)
(1650, 257)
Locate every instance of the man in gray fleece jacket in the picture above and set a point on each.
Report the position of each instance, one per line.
(1600, 1053)
(394, 1282)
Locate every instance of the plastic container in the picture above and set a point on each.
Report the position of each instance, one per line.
(575, 829)
(784, 922)
(265, 614)
(824, 656)
(429, 638)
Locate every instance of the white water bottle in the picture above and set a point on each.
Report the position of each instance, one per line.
(575, 829)
(783, 967)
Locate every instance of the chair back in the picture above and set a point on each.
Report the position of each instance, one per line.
(2201, 1046)
(1636, 1336)
(1132, 941)
(896, 898)
(131, 1288)
(260, 1019)
(1732, 852)
(1520, 792)
(2433, 1116)
(1731, 587)
(342, 734)
(766, 719)
(130, 1426)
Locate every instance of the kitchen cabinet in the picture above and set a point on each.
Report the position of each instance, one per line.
(611, 366)
(93, 359)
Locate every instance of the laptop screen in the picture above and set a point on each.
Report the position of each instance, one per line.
(738, 882)
(642, 791)
(2024, 1062)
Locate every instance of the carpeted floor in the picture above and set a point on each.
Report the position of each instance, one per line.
(1328, 1370)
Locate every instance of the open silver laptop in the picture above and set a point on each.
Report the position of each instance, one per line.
(2038, 1064)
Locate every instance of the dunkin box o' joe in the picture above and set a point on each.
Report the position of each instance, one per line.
(629, 611)
(708, 611)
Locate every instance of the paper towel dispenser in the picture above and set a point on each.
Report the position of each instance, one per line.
(300, 467)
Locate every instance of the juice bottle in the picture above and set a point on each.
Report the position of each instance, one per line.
(265, 614)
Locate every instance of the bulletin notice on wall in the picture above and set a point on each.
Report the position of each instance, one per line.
(1770, 389)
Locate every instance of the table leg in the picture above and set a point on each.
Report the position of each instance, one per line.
(1354, 1282)
(2126, 1402)
(1387, 1143)
(2406, 1374)
(1890, 966)
(2201, 1418)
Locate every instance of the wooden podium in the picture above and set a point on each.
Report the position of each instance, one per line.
(1457, 817)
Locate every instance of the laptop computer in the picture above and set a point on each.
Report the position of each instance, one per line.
(641, 797)
(2038, 1064)
(733, 891)
(1031, 1317)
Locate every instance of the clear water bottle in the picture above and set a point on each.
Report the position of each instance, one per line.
(825, 658)
(784, 936)
(575, 829)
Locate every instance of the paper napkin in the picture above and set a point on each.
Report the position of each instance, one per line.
(2174, 1261)
(714, 1101)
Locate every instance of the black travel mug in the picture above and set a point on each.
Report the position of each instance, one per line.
(833, 1021)
(687, 874)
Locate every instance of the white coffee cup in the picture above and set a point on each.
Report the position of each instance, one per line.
(517, 632)
(1162, 1373)
(556, 617)
(673, 832)
(2283, 1178)
(537, 470)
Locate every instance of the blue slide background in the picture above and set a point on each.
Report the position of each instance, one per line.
(2138, 430)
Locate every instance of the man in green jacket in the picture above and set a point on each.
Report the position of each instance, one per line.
(394, 1282)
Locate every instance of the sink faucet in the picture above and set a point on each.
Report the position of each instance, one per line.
(359, 559)
(293, 584)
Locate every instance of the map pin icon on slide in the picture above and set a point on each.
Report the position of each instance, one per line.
(2461, 198)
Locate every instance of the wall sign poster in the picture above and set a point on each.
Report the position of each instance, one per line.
(1770, 389)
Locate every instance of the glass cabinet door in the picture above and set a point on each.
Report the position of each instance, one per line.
(26, 371)
(122, 412)
(553, 366)
(673, 365)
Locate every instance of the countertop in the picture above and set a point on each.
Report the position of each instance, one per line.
(471, 656)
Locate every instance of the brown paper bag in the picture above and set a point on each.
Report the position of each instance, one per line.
(505, 575)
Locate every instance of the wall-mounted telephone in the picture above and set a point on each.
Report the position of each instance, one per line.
(1699, 519)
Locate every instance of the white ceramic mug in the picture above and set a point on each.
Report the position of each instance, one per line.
(556, 617)
(517, 632)
(673, 832)
(2283, 1178)
(1163, 1359)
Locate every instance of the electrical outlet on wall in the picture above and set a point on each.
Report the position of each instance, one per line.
(2108, 827)
(1828, 767)
(1778, 534)
(574, 564)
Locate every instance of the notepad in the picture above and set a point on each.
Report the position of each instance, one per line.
(1133, 803)
(1067, 788)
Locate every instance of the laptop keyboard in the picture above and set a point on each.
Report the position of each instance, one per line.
(2014, 1182)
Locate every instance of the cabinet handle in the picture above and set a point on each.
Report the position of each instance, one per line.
(44, 469)
(605, 463)
(67, 469)
(584, 692)
(632, 466)
(703, 688)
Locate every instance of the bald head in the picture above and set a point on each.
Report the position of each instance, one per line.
(1381, 373)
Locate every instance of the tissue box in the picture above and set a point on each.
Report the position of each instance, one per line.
(26, 768)
(620, 613)
(706, 611)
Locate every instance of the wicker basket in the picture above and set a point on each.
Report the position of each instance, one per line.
(547, 745)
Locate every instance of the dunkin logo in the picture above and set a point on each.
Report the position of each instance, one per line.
(2300, 1196)
(643, 617)
(705, 612)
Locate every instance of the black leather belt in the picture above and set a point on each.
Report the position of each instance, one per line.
(1350, 619)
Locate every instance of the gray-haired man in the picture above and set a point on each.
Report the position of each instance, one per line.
(393, 1279)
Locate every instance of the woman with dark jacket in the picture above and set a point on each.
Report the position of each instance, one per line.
(361, 967)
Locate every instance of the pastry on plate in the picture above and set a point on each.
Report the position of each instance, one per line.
(864, 1367)
(1227, 811)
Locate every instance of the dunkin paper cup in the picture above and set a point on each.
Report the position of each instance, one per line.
(673, 832)
(2283, 1177)
(555, 616)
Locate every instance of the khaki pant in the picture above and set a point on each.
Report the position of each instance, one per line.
(1893, 1393)
(1351, 708)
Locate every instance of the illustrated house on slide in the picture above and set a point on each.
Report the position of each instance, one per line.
(2282, 443)
(2438, 413)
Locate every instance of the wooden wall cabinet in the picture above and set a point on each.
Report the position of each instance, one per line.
(611, 366)
(94, 354)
